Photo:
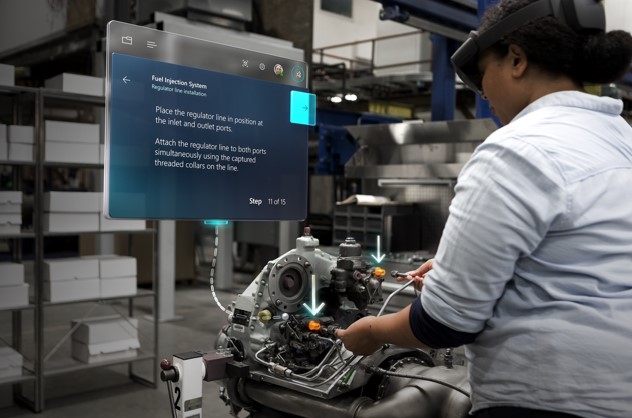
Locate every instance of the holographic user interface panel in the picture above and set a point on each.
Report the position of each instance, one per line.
(199, 130)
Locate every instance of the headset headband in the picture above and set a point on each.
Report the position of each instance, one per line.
(579, 15)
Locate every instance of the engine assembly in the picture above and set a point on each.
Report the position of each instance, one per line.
(278, 356)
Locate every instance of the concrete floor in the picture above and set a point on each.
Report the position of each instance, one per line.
(108, 392)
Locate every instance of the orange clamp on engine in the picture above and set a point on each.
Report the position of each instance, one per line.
(313, 326)
(379, 272)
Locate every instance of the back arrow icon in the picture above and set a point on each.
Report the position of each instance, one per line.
(126, 80)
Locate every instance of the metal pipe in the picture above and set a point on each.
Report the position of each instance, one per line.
(286, 400)
(388, 300)
(415, 399)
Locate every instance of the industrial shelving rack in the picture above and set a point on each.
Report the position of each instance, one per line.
(366, 222)
(38, 370)
(18, 95)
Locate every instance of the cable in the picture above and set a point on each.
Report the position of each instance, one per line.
(212, 278)
(388, 299)
(380, 371)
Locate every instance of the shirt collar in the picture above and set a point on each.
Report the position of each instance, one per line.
(575, 99)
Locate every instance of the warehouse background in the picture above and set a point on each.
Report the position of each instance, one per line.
(141, 288)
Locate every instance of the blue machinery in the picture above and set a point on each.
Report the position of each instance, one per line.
(450, 22)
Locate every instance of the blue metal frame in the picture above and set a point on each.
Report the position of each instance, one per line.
(451, 15)
(443, 93)
(482, 106)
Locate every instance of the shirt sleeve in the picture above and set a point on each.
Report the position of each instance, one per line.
(433, 333)
(506, 199)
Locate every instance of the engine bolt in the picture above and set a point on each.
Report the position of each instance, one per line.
(278, 302)
(252, 328)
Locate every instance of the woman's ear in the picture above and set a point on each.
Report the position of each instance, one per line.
(518, 60)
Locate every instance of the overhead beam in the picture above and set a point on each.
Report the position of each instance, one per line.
(449, 19)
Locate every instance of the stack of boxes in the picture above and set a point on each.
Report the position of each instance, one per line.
(71, 211)
(10, 212)
(70, 279)
(76, 83)
(10, 363)
(21, 140)
(117, 275)
(93, 277)
(14, 292)
(105, 338)
(71, 142)
(81, 212)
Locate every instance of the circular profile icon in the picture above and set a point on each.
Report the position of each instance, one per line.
(298, 74)
(278, 70)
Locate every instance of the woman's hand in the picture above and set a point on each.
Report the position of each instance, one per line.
(418, 274)
(359, 337)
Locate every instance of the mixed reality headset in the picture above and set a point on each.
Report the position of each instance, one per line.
(579, 15)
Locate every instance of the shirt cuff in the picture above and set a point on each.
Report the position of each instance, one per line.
(433, 333)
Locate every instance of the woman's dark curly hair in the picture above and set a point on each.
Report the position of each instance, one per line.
(594, 58)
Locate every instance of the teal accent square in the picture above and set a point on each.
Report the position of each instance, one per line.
(302, 108)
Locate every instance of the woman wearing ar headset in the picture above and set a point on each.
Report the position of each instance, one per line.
(533, 273)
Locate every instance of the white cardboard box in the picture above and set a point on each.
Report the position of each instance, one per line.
(111, 351)
(22, 134)
(70, 222)
(11, 274)
(10, 223)
(20, 152)
(113, 287)
(71, 290)
(11, 202)
(15, 296)
(102, 329)
(11, 196)
(9, 229)
(83, 202)
(10, 207)
(75, 83)
(70, 268)
(7, 75)
(71, 152)
(111, 265)
(121, 224)
(11, 218)
(10, 362)
(86, 133)
(4, 150)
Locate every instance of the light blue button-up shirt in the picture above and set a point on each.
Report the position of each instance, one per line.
(537, 253)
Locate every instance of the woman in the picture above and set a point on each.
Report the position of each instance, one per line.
(534, 269)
